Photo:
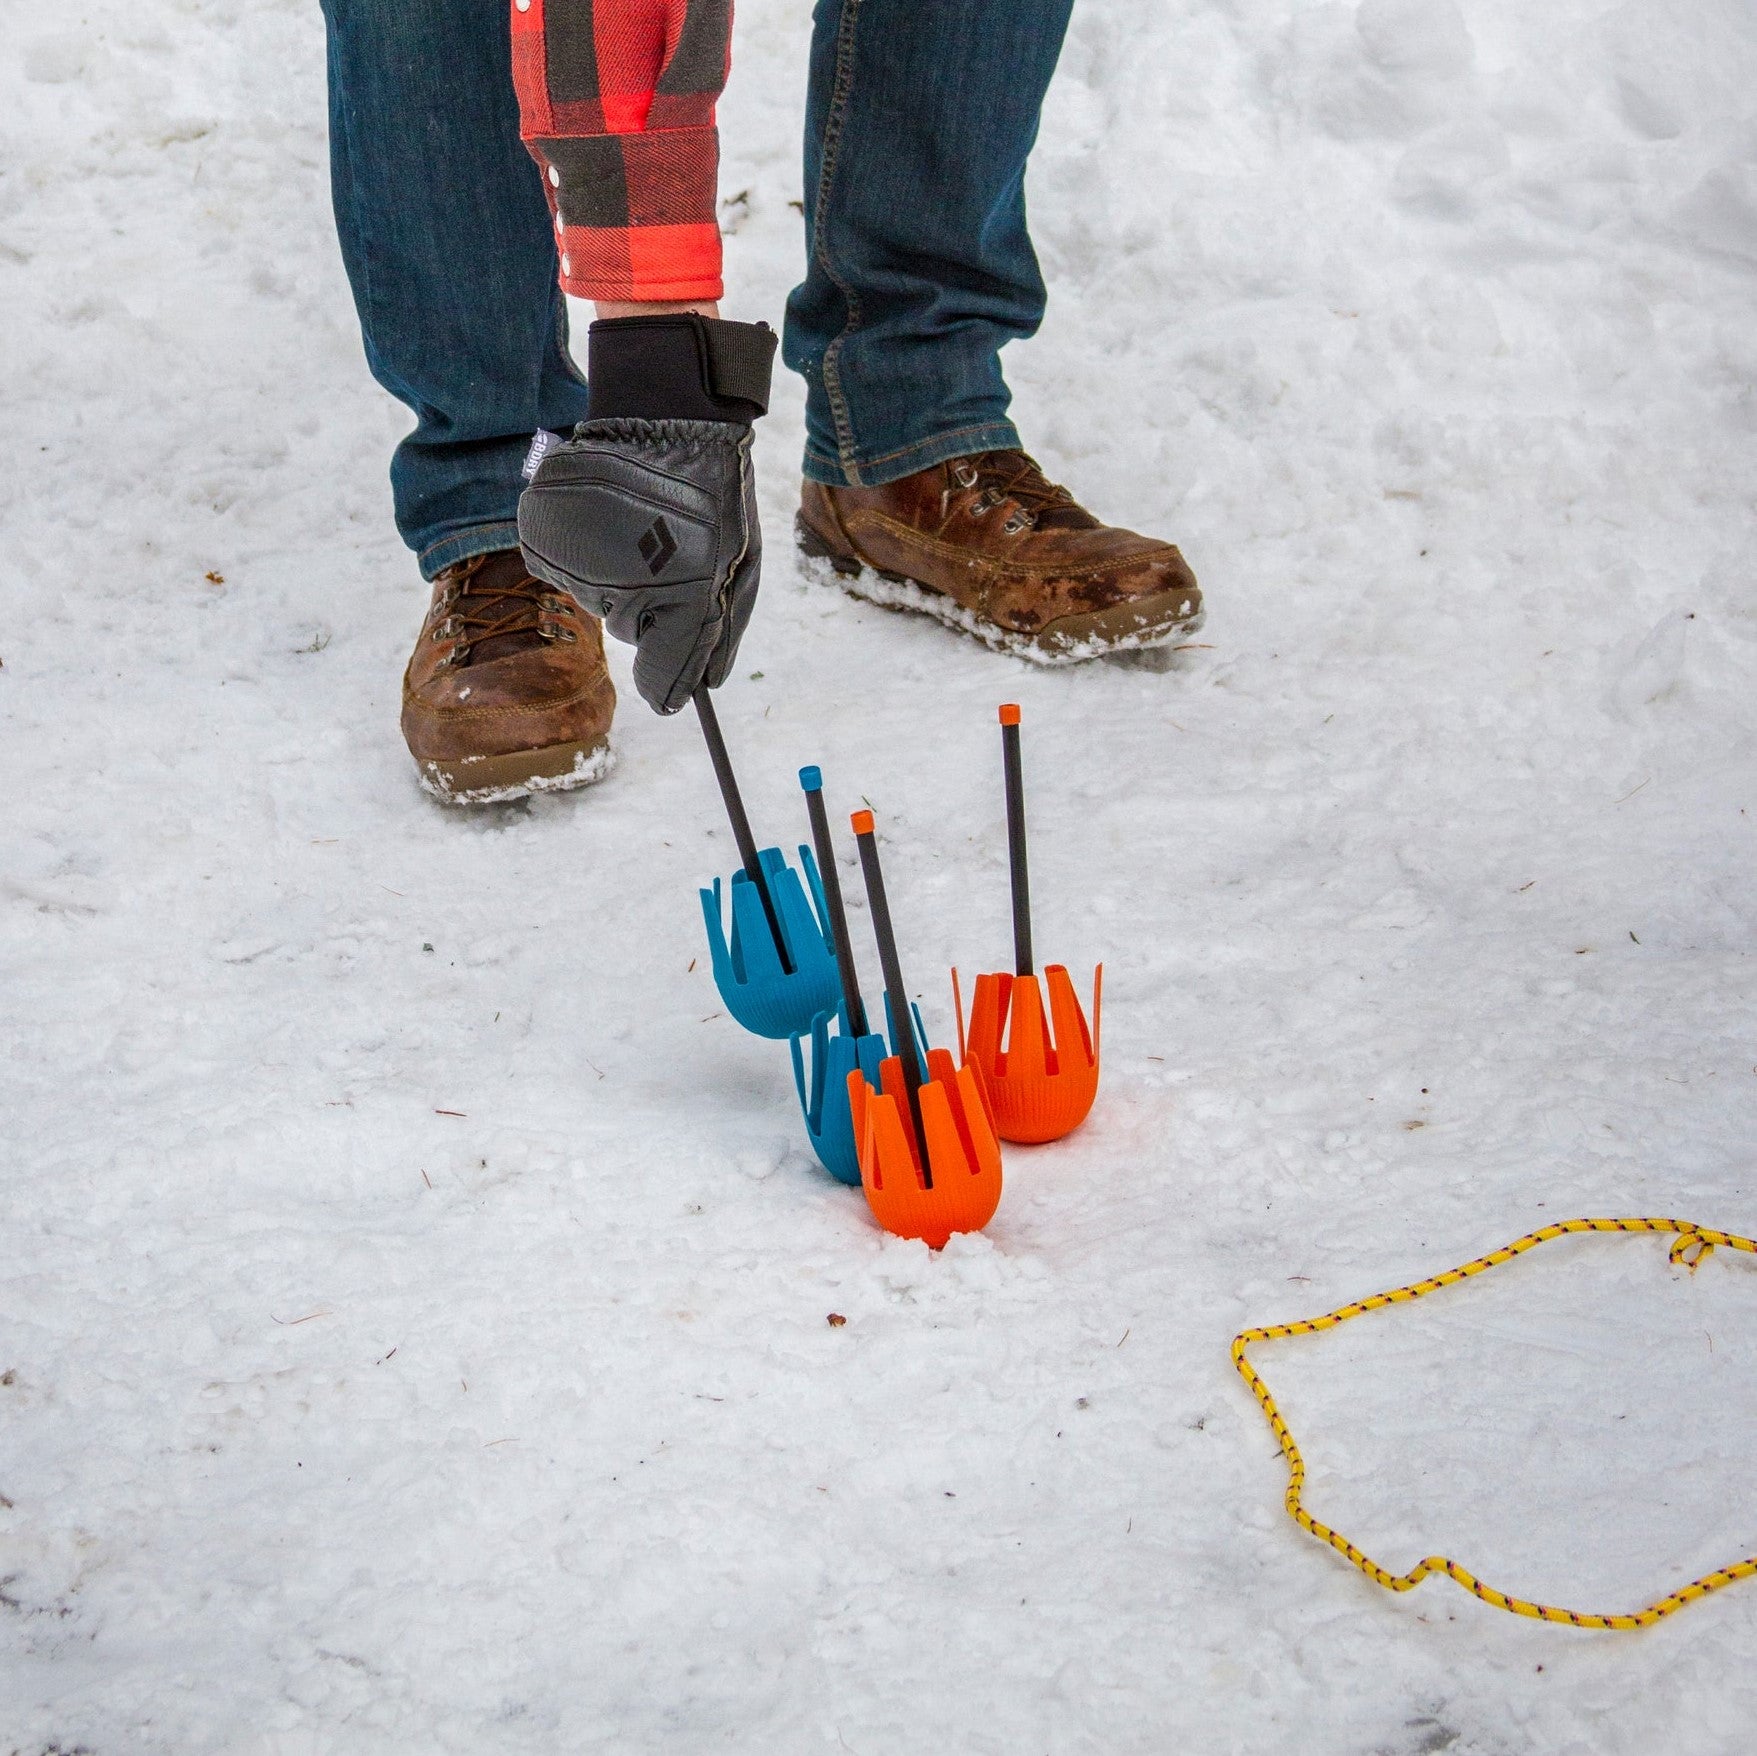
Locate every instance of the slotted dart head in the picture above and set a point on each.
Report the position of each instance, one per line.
(929, 1160)
(823, 1088)
(955, 1185)
(1040, 1081)
(773, 989)
(775, 967)
(821, 1079)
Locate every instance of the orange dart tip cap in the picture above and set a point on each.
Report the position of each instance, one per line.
(862, 821)
(1009, 713)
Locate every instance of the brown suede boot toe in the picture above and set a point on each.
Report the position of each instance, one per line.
(988, 545)
(507, 692)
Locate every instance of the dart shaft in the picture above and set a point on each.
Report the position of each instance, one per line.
(901, 1017)
(832, 883)
(734, 802)
(1015, 773)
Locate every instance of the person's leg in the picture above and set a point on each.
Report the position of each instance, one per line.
(918, 494)
(450, 249)
(920, 117)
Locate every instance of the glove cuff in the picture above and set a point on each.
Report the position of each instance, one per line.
(678, 367)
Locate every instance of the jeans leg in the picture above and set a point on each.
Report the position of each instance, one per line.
(449, 247)
(919, 119)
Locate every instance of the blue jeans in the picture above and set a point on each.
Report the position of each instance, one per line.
(919, 119)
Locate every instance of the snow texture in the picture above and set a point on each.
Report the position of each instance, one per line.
(414, 1333)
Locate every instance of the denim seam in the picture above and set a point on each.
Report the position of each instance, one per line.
(569, 364)
(480, 539)
(368, 301)
(925, 453)
(934, 439)
(834, 123)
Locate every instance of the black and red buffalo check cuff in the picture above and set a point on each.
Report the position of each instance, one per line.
(616, 103)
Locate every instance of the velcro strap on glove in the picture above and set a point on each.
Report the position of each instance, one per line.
(679, 367)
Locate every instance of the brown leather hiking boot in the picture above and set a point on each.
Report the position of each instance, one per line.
(507, 693)
(989, 545)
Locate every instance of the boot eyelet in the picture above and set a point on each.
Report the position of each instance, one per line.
(965, 474)
(1020, 521)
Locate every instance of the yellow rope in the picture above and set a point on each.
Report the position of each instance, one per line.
(1691, 1247)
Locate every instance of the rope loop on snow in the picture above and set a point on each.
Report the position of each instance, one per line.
(1690, 1248)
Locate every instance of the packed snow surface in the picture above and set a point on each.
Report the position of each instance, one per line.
(415, 1292)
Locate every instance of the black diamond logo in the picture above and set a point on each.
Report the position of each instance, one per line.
(657, 546)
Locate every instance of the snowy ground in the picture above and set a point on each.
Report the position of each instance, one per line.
(338, 1424)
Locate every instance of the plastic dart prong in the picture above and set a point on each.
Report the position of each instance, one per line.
(1041, 1081)
(774, 964)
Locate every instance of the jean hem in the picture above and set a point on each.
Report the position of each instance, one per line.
(463, 545)
(907, 460)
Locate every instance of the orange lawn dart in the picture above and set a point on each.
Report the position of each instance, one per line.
(1040, 1084)
(929, 1159)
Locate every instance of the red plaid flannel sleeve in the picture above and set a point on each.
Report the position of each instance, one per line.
(616, 101)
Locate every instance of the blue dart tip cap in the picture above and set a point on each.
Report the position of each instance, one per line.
(811, 779)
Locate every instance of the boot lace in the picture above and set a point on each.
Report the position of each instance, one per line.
(1013, 475)
(478, 612)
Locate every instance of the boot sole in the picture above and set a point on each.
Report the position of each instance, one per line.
(1071, 640)
(493, 780)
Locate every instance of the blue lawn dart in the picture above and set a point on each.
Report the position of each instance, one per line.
(775, 965)
(785, 968)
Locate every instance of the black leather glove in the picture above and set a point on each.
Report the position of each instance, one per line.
(648, 514)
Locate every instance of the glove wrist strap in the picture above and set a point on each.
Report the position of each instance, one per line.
(679, 367)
